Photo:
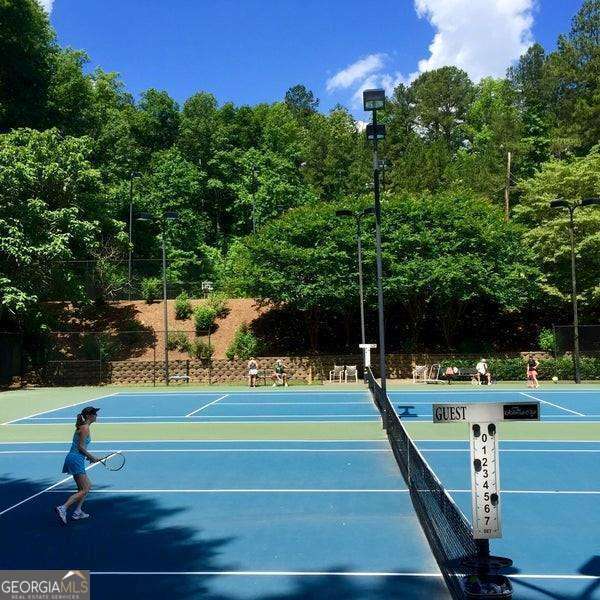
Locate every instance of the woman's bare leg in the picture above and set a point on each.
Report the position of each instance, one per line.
(83, 486)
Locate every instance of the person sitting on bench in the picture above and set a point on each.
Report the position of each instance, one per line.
(483, 371)
(450, 373)
(279, 376)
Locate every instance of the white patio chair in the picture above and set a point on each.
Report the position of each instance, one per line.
(336, 373)
(351, 371)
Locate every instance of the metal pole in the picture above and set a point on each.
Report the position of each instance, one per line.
(166, 313)
(379, 261)
(507, 190)
(130, 230)
(574, 298)
(360, 280)
(253, 199)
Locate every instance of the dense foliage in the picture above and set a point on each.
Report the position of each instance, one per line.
(256, 189)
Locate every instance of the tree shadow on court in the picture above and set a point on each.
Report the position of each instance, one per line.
(590, 591)
(136, 533)
(362, 588)
(127, 533)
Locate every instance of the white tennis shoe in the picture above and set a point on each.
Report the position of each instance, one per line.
(79, 514)
(61, 513)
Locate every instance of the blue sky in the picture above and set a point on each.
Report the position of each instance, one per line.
(250, 51)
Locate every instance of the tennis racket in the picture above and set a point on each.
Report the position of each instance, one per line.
(114, 461)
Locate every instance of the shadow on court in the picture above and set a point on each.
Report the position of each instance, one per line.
(133, 533)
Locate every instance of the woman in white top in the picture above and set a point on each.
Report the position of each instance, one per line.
(252, 372)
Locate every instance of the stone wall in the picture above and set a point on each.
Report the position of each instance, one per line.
(305, 369)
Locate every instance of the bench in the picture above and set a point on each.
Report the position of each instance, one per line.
(461, 375)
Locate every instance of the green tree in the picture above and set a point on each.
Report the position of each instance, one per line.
(446, 254)
(440, 100)
(301, 260)
(156, 123)
(548, 234)
(301, 100)
(27, 50)
(574, 70)
(51, 210)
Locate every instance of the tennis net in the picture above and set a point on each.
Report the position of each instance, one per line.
(449, 533)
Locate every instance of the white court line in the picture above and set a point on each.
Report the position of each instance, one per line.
(303, 420)
(107, 418)
(60, 408)
(321, 574)
(308, 491)
(295, 403)
(259, 441)
(206, 405)
(293, 441)
(231, 450)
(308, 450)
(268, 573)
(49, 489)
(318, 574)
(551, 404)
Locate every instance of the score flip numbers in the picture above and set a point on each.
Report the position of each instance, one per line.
(485, 481)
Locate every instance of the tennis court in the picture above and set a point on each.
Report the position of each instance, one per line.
(302, 406)
(293, 494)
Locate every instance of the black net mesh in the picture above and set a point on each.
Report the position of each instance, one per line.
(447, 529)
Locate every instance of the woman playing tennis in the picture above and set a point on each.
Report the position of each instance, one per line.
(75, 465)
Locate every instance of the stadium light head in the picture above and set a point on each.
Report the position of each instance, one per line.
(144, 217)
(343, 213)
(373, 100)
(559, 203)
(590, 201)
(373, 132)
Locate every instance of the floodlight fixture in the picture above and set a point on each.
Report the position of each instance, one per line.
(590, 201)
(373, 100)
(559, 203)
(375, 132)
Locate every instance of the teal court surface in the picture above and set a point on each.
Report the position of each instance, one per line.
(303, 517)
(302, 406)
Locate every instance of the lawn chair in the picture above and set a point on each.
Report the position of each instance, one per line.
(336, 373)
(419, 373)
(351, 371)
(434, 374)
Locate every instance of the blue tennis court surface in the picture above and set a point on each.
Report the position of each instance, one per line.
(263, 520)
(278, 406)
(294, 519)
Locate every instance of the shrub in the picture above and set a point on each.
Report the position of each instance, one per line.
(183, 307)
(201, 350)
(218, 302)
(204, 318)
(546, 340)
(244, 344)
(178, 340)
(513, 369)
(151, 289)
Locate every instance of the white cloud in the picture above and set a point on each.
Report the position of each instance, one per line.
(47, 5)
(355, 72)
(482, 37)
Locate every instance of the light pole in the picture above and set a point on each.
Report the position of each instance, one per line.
(167, 216)
(572, 206)
(132, 176)
(359, 217)
(374, 100)
(254, 172)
